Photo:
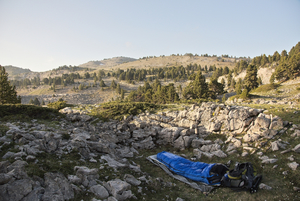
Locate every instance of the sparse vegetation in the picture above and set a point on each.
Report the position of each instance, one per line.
(60, 104)
(265, 88)
(117, 110)
(26, 112)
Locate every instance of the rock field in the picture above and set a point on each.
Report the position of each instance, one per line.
(115, 144)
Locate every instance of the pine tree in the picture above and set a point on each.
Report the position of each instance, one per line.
(244, 94)
(172, 95)
(233, 83)
(250, 80)
(197, 88)
(102, 84)
(36, 101)
(229, 78)
(122, 94)
(215, 88)
(118, 89)
(276, 56)
(148, 96)
(223, 81)
(238, 88)
(113, 85)
(8, 93)
(80, 87)
(259, 81)
(272, 78)
(224, 98)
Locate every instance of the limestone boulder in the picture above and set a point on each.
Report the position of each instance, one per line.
(277, 123)
(57, 187)
(169, 135)
(196, 143)
(131, 180)
(119, 189)
(144, 144)
(16, 190)
(99, 191)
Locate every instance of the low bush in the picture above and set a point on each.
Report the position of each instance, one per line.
(244, 94)
(117, 110)
(3, 130)
(58, 105)
(198, 101)
(266, 87)
(26, 112)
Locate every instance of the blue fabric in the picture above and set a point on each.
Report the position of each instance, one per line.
(196, 171)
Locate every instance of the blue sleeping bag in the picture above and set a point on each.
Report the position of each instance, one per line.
(196, 171)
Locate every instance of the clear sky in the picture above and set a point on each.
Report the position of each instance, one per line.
(45, 34)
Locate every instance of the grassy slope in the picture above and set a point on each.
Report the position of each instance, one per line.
(167, 61)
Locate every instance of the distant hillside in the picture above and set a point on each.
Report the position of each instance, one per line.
(107, 62)
(161, 61)
(14, 71)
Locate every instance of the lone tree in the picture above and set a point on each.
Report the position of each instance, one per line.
(250, 80)
(8, 94)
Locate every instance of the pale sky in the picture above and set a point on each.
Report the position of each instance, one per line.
(45, 34)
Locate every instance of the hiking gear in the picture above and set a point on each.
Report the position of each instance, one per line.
(242, 176)
(256, 183)
(197, 171)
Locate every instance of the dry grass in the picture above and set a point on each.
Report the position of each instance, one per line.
(166, 61)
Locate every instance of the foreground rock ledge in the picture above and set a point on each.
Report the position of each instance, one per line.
(115, 143)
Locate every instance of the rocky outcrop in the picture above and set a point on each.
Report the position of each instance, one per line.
(114, 143)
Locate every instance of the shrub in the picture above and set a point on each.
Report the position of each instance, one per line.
(58, 105)
(117, 110)
(266, 87)
(3, 130)
(18, 111)
(244, 94)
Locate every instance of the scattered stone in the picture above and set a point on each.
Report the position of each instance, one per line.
(131, 180)
(232, 152)
(245, 154)
(296, 189)
(291, 158)
(297, 148)
(99, 191)
(219, 153)
(293, 165)
(264, 186)
(269, 160)
(285, 151)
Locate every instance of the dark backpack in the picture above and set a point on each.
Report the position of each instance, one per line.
(242, 176)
